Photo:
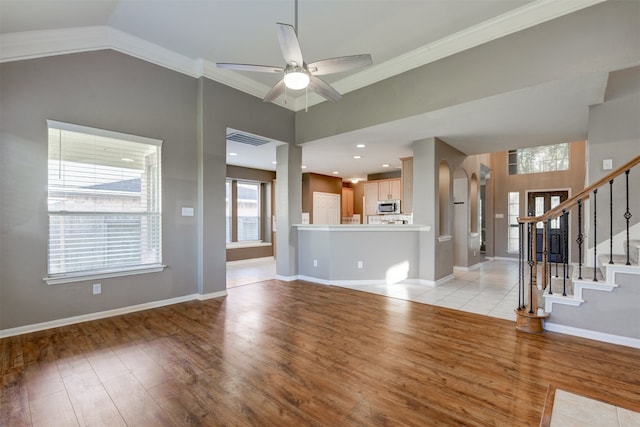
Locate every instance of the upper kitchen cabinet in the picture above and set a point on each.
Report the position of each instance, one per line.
(347, 202)
(384, 189)
(389, 189)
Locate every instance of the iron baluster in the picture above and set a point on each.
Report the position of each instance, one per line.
(532, 231)
(549, 249)
(611, 222)
(520, 261)
(627, 214)
(595, 231)
(565, 242)
(579, 239)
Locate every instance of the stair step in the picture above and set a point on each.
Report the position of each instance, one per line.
(587, 273)
(634, 251)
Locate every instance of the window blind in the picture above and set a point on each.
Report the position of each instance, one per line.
(104, 200)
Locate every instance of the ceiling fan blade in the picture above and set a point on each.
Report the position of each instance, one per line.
(342, 63)
(289, 44)
(250, 67)
(276, 91)
(323, 89)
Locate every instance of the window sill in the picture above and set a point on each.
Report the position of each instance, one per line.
(103, 274)
(236, 245)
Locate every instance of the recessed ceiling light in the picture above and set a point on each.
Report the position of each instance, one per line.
(126, 159)
(274, 162)
(233, 154)
(336, 172)
(360, 146)
(357, 157)
(385, 165)
(303, 167)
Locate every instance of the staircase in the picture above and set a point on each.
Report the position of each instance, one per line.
(604, 279)
(569, 294)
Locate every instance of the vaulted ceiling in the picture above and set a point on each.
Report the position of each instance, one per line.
(190, 36)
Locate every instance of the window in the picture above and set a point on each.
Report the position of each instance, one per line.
(228, 210)
(248, 208)
(245, 213)
(513, 232)
(104, 203)
(547, 158)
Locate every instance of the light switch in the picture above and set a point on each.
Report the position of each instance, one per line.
(186, 211)
(607, 164)
(499, 216)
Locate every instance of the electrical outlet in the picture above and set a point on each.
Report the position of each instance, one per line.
(97, 288)
(360, 264)
(315, 262)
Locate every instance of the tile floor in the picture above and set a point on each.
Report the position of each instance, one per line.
(573, 410)
(489, 289)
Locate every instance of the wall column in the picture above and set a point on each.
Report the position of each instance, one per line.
(425, 204)
(288, 209)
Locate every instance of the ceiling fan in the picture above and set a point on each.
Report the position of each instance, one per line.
(297, 73)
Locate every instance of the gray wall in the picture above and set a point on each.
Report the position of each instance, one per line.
(113, 91)
(601, 37)
(614, 133)
(614, 312)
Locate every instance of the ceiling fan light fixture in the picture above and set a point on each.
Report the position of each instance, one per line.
(296, 79)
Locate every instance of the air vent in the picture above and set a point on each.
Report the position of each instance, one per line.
(247, 138)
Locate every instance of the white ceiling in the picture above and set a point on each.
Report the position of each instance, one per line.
(399, 34)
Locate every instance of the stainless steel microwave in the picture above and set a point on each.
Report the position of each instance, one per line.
(386, 207)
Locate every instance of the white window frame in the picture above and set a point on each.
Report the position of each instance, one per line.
(510, 217)
(87, 275)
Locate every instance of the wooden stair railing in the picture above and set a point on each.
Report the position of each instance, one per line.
(528, 316)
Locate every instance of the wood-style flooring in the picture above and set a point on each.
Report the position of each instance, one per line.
(297, 354)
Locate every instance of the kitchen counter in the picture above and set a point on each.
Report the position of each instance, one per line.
(360, 253)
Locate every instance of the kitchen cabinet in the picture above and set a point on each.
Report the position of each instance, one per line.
(407, 185)
(384, 189)
(389, 189)
(370, 198)
(347, 201)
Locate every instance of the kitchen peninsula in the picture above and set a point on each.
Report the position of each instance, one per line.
(355, 253)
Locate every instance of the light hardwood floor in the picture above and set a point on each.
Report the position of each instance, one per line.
(292, 354)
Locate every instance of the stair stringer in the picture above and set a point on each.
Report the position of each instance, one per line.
(576, 300)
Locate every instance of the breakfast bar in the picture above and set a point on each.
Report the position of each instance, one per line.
(355, 253)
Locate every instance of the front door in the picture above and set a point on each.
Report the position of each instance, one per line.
(540, 202)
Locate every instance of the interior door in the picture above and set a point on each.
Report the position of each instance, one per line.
(539, 203)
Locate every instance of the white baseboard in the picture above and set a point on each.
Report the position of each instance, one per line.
(314, 280)
(203, 297)
(104, 314)
(504, 258)
(286, 278)
(594, 335)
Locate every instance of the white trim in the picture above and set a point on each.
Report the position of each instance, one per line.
(204, 297)
(105, 314)
(504, 258)
(549, 300)
(52, 124)
(613, 269)
(240, 245)
(84, 276)
(469, 268)
(314, 280)
(286, 278)
(36, 44)
(594, 335)
(442, 280)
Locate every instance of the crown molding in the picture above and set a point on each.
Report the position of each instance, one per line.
(510, 22)
(36, 44)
